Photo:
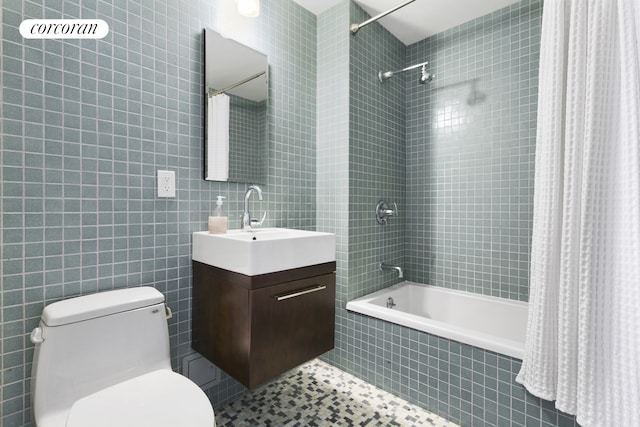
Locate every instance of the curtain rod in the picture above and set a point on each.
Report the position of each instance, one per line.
(241, 82)
(355, 27)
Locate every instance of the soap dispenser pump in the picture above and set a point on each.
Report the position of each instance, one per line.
(218, 223)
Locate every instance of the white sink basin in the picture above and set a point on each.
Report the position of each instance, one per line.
(263, 250)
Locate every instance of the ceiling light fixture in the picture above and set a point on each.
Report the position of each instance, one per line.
(250, 8)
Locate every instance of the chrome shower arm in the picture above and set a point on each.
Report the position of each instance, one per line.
(382, 76)
(412, 67)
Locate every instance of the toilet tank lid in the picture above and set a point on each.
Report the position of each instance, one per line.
(100, 304)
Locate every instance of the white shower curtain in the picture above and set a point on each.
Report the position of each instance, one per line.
(583, 336)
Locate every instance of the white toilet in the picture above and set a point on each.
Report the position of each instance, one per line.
(102, 360)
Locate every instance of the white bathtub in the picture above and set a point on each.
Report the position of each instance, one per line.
(495, 324)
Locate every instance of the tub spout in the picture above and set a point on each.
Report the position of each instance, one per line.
(398, 269)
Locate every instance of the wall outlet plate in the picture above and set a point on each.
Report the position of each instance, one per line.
(166, 184)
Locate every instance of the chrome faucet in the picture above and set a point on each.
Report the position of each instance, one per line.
(247, 222)
(397, 269)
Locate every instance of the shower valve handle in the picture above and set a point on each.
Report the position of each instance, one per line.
(383, 212)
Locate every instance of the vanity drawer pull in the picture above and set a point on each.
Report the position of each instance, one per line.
(299, 293)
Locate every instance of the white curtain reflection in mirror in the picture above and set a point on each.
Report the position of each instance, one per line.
(218, 137)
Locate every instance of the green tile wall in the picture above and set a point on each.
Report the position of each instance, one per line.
(86, 125)
(332, 199)
(470, 154)
(376, 156)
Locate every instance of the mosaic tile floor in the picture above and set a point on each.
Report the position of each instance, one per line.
(318, 394)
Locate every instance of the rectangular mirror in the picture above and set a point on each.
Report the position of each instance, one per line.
(236, 94)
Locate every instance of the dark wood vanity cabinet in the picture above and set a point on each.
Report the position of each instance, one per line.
(257, 327)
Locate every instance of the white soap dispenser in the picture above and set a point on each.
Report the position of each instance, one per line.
(218, 223)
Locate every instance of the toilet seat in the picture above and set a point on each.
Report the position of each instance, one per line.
(160, 398)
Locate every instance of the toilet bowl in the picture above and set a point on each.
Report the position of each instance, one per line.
(103, 360)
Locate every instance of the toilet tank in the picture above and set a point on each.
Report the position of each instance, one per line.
(87, 343)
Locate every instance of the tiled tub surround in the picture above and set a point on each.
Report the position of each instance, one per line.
(466, 182)
(85, 126)
(464, 384)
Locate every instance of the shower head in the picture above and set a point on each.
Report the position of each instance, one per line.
(425, 76)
